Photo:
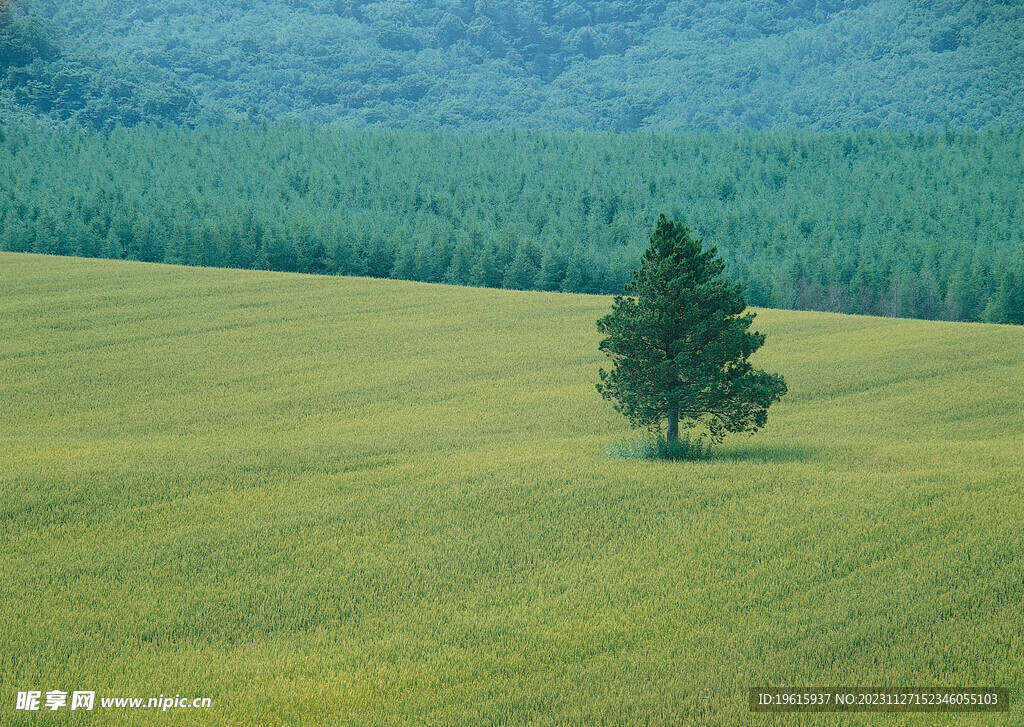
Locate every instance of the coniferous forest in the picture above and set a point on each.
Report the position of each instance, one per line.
(920, 224)
(860, 156)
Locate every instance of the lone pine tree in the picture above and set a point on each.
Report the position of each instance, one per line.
(679, 343)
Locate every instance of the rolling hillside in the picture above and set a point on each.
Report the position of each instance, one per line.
(376, 502)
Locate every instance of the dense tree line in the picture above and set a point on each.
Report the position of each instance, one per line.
(927, 224)
(606, 65)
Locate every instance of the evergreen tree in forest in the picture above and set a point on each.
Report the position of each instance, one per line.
(521, 274)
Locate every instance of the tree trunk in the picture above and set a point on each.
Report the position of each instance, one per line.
(673, 427)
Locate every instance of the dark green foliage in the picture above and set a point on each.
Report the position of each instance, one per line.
(901, 224)
(685, 448)
(521, 274)
(680, 344)
(612, 65)
(653, 447)
(1007, 304)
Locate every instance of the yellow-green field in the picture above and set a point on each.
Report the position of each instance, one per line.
(342, 501)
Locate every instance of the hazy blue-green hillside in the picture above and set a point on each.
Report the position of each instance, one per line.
(606, 64)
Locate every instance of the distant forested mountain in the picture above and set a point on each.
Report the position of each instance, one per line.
(617, 65)
(921, 224)
(43, 76)
(868, 188)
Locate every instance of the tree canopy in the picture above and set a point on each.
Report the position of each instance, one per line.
(680, 343)
(924, 224)
(612, 65)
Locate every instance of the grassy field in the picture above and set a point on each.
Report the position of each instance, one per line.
(343, 501)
